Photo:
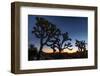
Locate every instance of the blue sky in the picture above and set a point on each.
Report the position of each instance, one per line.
(77, 27)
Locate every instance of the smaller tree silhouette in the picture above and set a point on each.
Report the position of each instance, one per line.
(81, 45)
(32, 52)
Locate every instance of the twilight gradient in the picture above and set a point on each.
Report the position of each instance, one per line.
(77, 27)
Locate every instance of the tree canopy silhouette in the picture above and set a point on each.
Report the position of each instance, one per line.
(45, 32)
(81, 45)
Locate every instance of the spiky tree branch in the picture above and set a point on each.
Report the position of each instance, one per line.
(61, 43)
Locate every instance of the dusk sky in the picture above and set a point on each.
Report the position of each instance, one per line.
(77, 27)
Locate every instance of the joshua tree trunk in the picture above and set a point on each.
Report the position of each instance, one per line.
(54, 50)
(60, 50)
(39, 53)
(40, 50)
(81, 49)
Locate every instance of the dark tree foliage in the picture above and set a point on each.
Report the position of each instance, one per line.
(45, 32)
(81, 45)
(60, 43)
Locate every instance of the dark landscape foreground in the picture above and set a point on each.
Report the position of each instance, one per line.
(57, 55)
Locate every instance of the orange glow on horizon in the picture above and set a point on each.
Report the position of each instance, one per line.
(49, 50)
(69, 51)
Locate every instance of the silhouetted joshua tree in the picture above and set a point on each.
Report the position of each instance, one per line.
(84, 45)
(61, 43)
(45, 32)
(81, 45)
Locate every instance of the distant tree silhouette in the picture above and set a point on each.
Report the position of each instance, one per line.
(81, 45)
(61, 43)
(45, 32)
(78, 44)
(32, 52)
(84, 45)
